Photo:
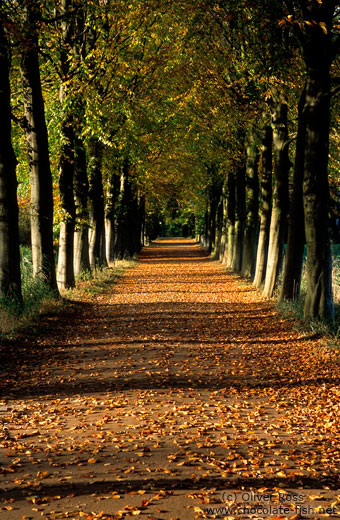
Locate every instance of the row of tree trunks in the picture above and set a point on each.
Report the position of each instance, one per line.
(307, 211)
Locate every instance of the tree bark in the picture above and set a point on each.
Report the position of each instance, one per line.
(110, 208)
(224, 209)
(96, 197)
(142, 215)
(319, 52)
(65, 271)
(81, 235)
(296, 228)
(10, 281)
(266, 207)
(38, 152)
(279, 110)
(218, 228)
(230, 218)
(127, 229)
(252, 211)
(240, 201)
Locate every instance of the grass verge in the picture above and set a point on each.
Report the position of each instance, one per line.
(39, 300)
(294, 309)
(88, 286)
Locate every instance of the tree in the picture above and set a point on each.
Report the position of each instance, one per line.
(10, 281)
(38, 150)
(319, 50)
(65, 272)
(252, 209)
(265, 207)
(81, 262)
(96, 198)
(296, 229)
(279, 111)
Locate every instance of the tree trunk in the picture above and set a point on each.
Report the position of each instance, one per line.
(319, 298)
(143, 237)
(224, 209)
(10, 282)
(96, 196)
(252, 211)
(218, 228)
(211, 224)
(318, 51)
(266, 207)
(38, 151)
(239, 219)
(278, 221)
(231, 197)
(65, 271)
(128, 224)
(111, 199)
(81, 236)
(296, 228)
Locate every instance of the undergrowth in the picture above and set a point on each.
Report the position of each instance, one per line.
(91, 285)
(294, 309)
(39, 299)
(36, 296)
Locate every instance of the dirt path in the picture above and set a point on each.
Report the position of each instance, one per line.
(177, 390)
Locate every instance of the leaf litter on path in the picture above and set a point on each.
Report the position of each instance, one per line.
(177, 390)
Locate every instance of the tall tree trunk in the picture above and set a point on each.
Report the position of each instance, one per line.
(65, 271)
(211, 224)
(279, 110)
(142, 214)
(119, 217)
(231, 204)
(10, 282)
(266, 207)
(110, 207)
(296, 228)
(96, 196)
(218, 228)
(81, 236)
(240, 201)
(38, 151)
(252, 210)
(319, 298)
(128, 226)
(319, 51)
(224, 210)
